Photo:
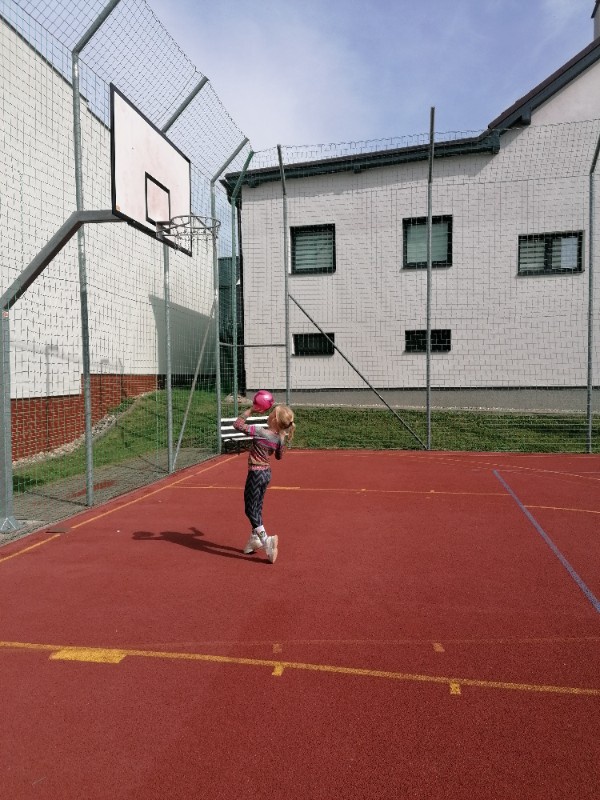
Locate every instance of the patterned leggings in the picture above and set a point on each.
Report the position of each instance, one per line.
(254, 494)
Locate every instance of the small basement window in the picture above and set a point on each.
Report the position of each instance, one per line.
(313, 344)
(416, 341)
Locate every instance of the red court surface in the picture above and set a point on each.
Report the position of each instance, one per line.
(431, 629)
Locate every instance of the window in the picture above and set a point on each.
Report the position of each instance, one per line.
(313, 249)
(415, 242)
(313, 344)
(547, 253)
(416, 341)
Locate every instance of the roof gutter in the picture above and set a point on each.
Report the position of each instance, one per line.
(488, 142)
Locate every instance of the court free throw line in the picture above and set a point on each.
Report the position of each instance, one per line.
(116, 655)
(346, 490)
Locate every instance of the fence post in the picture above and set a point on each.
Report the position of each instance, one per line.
(590, 331)
(213, 213)
(429, 271)
(234, 197)
(167, 300)
(286, 260)
(7, 519)
(85, 332)
(8, 299)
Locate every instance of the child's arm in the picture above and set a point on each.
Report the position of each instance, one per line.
(240, 423)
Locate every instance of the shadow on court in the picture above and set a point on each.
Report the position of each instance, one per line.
(196, 540)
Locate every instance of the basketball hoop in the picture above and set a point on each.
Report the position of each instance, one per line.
(183, 230)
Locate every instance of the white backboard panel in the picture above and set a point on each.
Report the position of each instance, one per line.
(151, 178)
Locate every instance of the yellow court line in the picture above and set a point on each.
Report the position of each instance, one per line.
(561, 508)
(96, 655)
(346, 490)
(504, 466)
(278, 647)
(149, 494)
(31, 547)
(103, 654)
(426, 492)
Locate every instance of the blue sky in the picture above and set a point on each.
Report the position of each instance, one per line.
(321, 71)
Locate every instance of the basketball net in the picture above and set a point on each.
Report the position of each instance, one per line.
(183, 230)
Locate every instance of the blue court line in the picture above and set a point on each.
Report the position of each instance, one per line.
(578, 580)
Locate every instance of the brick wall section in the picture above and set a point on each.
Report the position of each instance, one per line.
(40, 424)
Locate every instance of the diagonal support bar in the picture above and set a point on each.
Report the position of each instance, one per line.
(9, 298)
(49, 251)
(362, 377)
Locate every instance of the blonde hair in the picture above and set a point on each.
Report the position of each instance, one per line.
(284, 417)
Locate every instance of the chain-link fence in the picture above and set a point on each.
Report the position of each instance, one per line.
(101, 399)
(435, 293)
(423, 292)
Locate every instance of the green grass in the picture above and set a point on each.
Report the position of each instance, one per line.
(140, 432)
(451, 430)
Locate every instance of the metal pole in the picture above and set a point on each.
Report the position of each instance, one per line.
(429, 271)
(96, 25)
(233, 300)
(83, 296)
(168, 388)
(50, 250)
(7, 519)
(213, 213)
(85, 333)
(185, 104)
(8, 299)
(168, 366)
(286, 270)
(360, 375)
(193, 387)
(234, 271)
(590, 331)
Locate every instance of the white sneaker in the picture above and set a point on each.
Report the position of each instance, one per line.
(252, 544)
(271, 548)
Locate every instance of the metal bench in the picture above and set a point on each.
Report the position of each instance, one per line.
(233, 440)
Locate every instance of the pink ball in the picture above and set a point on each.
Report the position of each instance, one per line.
(263, 400)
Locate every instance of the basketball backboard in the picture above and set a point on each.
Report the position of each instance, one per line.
(151, 178)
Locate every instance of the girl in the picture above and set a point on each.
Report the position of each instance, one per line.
(265, 442)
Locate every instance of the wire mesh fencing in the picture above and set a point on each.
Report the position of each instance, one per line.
(451, 311)
(391, 307)
(151, 344)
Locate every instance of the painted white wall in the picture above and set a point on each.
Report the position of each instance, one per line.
(580, 100)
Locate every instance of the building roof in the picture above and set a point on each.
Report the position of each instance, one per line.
(488, 142)
(520, 112)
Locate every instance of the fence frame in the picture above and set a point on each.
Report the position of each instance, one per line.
(44, 257)
(432, 156)
(590, 320)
